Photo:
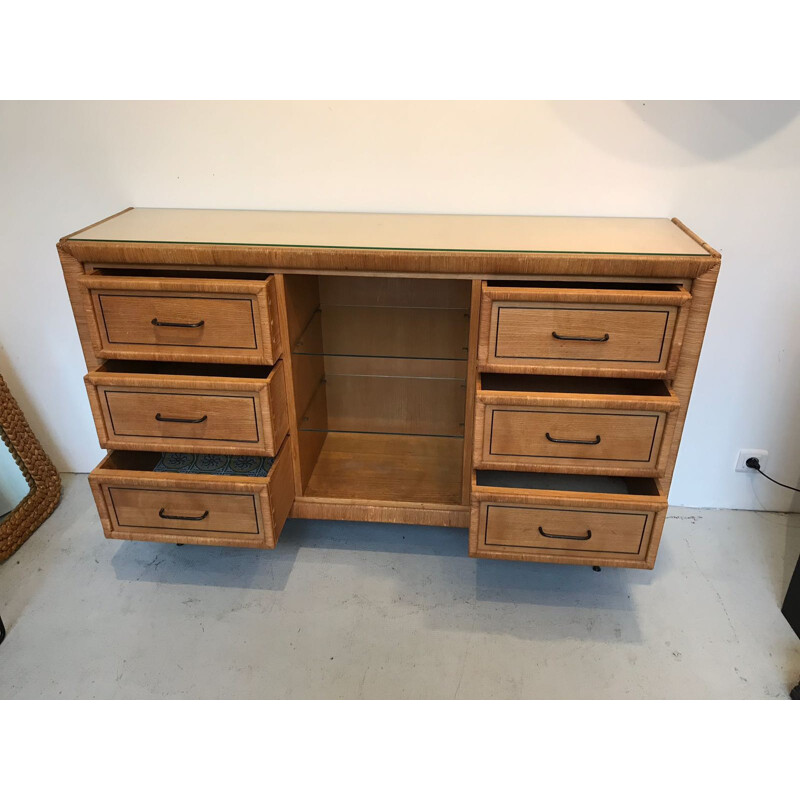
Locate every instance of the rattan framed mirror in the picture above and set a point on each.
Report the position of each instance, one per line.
(38, 471)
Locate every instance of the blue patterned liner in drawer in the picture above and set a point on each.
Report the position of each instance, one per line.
(206, 464)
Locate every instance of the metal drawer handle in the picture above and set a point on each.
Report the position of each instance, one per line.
(176, 419)
(572, 441)
(604, 338)
(190, 519)
(563, 536)
(155, 321)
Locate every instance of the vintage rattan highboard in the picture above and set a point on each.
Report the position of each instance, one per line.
(526, 378)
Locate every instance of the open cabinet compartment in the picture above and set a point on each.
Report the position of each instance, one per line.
(380, 386)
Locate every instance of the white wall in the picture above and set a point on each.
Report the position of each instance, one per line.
(731, 171)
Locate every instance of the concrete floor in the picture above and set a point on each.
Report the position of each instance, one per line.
(346, 610)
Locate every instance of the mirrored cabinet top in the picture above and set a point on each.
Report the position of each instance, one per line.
(442, 232)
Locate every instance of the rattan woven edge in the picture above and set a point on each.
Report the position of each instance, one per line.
(39, 472)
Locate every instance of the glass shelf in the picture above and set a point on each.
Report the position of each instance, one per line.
(347, 401)
(386, 332)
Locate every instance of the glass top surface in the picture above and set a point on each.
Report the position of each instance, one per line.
(444, 232)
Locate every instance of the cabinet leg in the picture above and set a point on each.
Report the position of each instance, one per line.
(2, 631)
(596, 569)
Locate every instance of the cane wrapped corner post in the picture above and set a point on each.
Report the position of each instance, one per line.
(39, 472)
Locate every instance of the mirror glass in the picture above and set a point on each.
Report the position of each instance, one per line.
(13, 486)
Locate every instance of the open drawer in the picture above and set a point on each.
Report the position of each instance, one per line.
(183, 319)
(580, 329)
(136, 502)
(570, 519)
(575, 425)
(185, 408)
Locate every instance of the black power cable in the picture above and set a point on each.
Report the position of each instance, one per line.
(755, 464)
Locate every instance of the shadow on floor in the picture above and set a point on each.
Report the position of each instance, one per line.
(204, 566)
(451, 590)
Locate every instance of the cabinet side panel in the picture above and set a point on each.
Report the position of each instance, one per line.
(97, 413)
(102, 508)
(702, 294)
(73, 270)
(271, 311)
(278, 411)
(280, 291)
(297, 300)
(472, 372)
(281, 493)
(655, 538)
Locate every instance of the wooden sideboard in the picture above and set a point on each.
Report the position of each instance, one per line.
(524, 377)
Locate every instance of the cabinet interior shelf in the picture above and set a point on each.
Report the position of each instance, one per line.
(380, 381)
(411, 405)
(386, 332)
(388, 468)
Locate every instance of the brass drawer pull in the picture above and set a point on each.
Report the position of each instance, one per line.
(604, 338)
(563, 536)
(176, 419)
(189, 519)
(572, 441)
(159, 324)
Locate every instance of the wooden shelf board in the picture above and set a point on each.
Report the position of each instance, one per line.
(407, 469)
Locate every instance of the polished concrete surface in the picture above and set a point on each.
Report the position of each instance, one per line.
(347, 610)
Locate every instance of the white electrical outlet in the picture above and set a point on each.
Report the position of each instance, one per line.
(761, 455)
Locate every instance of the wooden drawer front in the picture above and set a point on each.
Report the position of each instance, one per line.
(575, 336)
(149, 320)
(576, 425)
(136, 503)
(543, 529)
(204, 512)
(570, 519)
(170, 415)
(595, 439)
(624, 335)
(188, 414)
(184, 319)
